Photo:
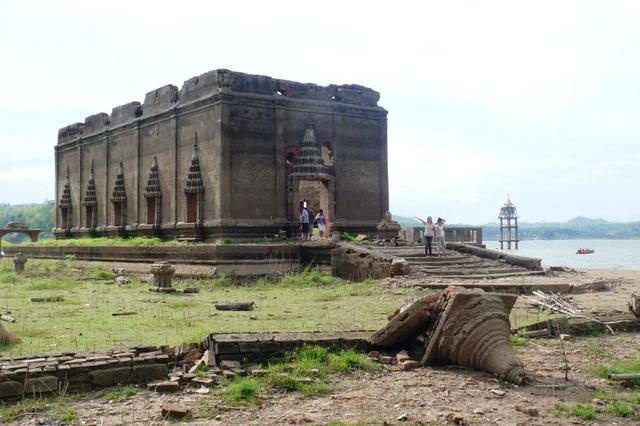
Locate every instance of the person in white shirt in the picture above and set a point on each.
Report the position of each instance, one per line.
(305, 222)
(439, 236)
(429, 232)
(321, 220)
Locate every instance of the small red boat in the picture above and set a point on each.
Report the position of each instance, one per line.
(585, 251)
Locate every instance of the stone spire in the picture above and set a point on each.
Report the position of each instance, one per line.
(310, 163)
(153, 183)
(90, 198)
(194, 179)
(65, 199)
(119, 194)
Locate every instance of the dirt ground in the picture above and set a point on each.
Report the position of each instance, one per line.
(423, 396)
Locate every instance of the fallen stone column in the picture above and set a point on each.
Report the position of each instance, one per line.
(473, 331)
(458, 326)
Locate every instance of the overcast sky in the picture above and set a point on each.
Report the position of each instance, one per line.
(539, 99)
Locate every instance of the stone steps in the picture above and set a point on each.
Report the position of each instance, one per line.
(504, 287)
(473, 272)
(494, 276)
(443, 262)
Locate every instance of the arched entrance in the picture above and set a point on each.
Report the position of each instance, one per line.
(310, 182)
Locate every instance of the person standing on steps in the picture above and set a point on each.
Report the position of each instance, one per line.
(429, 232)
(305, 221)
(321, 220)
(439, 236)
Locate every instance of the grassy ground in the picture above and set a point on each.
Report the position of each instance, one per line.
(309, 301)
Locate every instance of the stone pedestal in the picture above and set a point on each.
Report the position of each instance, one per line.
(388, 229)
(18, 262)
(162, 275)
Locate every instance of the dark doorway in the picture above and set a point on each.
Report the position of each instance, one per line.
(192, 207)
(151, 211)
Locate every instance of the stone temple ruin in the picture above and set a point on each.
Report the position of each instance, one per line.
(228, 154)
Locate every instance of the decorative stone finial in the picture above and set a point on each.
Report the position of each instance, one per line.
(388, 229)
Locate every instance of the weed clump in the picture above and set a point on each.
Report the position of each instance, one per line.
(582, 411)
(243, 390)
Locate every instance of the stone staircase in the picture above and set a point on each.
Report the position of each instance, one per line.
(455, 265)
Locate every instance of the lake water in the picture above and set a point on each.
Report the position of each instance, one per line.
(609, 254)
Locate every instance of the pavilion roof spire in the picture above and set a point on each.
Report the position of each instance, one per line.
(310, 163)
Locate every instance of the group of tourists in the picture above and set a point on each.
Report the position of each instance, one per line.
(308, 221)
(433, 233)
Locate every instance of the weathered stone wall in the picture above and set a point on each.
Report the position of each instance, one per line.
(178, 254)
(238, 346)
(75, 372)
(357, 263)
(244, 125)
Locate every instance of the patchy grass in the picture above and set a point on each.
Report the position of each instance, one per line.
(517, 340)
(120, 393)
(55, 408)
(84, 321)
(306, 371)
(621, 409)
(582, 411)
(100, 273)
(243, 390)
(345, 236)
(622, 367)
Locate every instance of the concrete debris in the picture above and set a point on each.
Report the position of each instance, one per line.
(235, 306)
(388, 360)
(410, 364)
(230, 364)
(120, 280)
(402, 417)
(7, 338)
(203, 381)
(164, 386)
(456, 419)
(565, 337)
(527, 409)
(7, 317)
(402, 356)
(47, 299)
(175, 410)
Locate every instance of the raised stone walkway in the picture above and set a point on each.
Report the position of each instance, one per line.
(455, 265)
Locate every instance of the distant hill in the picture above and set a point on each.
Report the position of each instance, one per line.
(577, 228)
